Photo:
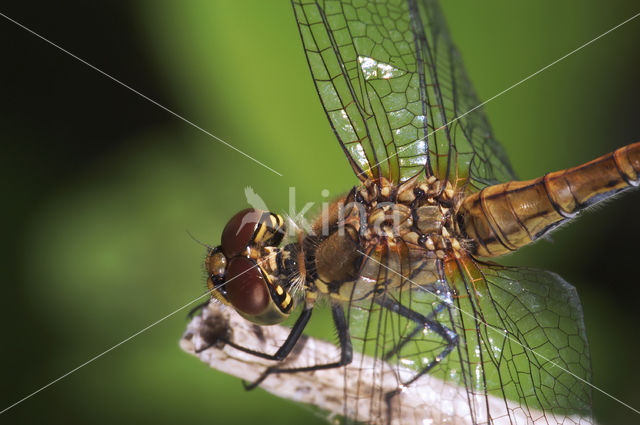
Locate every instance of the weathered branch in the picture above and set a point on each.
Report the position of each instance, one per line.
(366, 379)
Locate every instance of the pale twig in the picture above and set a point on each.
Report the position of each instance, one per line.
(357, 390)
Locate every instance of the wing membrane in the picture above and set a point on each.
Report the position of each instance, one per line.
(522, 354)
(395, 92)
(527, 339)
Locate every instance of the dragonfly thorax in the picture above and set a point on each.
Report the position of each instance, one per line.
(373, 222)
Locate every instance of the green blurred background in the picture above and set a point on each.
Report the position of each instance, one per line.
(100, 186)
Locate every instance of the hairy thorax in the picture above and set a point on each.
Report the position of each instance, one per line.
(381, 229)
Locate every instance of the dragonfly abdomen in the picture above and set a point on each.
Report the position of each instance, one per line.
(504, 217)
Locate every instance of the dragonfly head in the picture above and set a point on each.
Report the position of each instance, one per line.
(242, 271)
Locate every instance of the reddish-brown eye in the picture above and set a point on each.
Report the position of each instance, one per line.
(239, 231)
(246, 288)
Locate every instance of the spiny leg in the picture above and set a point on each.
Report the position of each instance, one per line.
(346, 350)
(422, 322)
(285, 348)
(197, 308)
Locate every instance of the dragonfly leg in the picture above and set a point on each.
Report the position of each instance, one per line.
(285, 348)
(197, 308)
(422, 322)
(346, 350)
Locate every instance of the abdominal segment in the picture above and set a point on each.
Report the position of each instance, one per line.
(504, 217)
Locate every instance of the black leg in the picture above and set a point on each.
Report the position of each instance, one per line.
(284, 349)
(346, 350)
(449, 336)
(197, 308)
(421, 324)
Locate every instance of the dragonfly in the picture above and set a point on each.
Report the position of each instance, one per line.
(405, 259)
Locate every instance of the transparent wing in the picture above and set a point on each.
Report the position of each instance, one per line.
(527, 339)
(395, 92)
(521, 354)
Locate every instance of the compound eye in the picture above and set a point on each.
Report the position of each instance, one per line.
(240, 231)
(246, 287)
(251, 227)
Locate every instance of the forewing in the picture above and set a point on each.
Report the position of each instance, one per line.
(377, 331)
(395, 92)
